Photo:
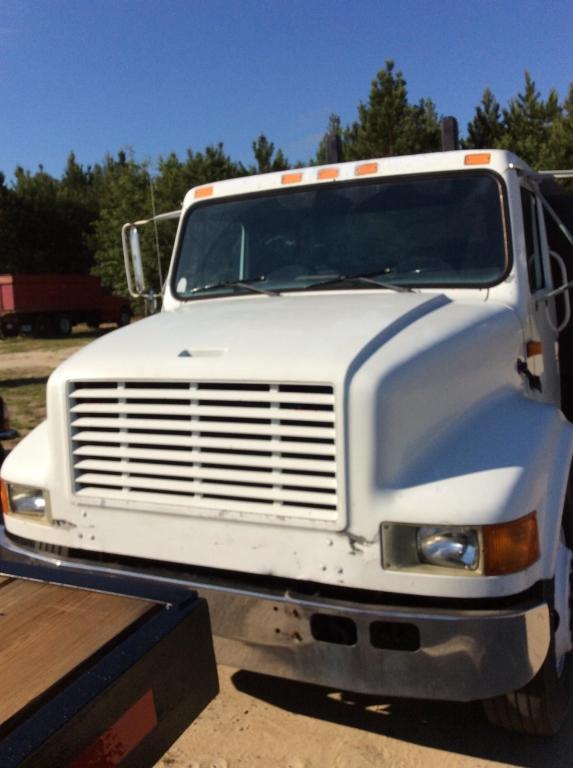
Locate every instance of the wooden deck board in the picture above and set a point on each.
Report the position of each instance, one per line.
(46, 631)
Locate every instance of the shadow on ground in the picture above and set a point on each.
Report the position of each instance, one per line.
(449, 726)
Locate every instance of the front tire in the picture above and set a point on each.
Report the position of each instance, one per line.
(540, 707)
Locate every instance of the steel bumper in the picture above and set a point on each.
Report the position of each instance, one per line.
(433, 653)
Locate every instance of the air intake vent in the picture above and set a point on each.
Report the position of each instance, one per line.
(266, 449)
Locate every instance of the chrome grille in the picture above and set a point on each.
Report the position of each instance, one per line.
(242, 448)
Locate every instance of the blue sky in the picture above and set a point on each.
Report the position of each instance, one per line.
(94, 76)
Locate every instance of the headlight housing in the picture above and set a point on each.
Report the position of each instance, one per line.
(488, 550)
(26, 500)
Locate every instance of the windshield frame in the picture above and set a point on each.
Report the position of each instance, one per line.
(416, 284)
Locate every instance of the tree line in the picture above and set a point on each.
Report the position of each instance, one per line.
(72, 223)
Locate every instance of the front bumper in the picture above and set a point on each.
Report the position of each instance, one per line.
(432, 653)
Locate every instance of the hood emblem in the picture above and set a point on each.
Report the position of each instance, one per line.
(184, 353)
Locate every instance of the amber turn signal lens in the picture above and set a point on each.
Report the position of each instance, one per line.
(510, 547)
(534, 348)
(4, 499)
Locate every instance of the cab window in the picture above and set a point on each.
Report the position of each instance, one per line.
(532, 241)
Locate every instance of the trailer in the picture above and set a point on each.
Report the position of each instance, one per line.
(98, 672)
(47, 305)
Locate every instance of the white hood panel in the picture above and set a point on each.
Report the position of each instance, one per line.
(284, 338)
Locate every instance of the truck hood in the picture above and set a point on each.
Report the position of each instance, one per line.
(290, 337)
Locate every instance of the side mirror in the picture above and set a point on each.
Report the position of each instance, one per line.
(132, 257)
(136, 260)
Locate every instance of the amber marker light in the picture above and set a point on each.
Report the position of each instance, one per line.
(366, 168)
(534, 348)
(481, 159)
(291, 178)
(202, 192)
(4, 498)
(328, 173)
(510, 547)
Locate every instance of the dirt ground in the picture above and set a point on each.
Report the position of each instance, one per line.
(34, 361)
(262, 722)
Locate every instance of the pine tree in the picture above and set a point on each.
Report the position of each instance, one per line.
(486, 129)
(528, 122)
(388, 124)
(267, 159)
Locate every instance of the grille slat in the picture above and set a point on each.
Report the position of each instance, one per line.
(199, 472)
(236, 396)
(211, 456)
(230, 444)
(212, 489)
(289, 414)
(224, 427)
(264, 449)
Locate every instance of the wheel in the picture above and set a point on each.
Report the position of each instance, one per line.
(63, 325)
(124, 317)
(43, 326)
(539, 708)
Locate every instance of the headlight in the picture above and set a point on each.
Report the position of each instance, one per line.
(26, 500)
(451, 547)
(488, 550)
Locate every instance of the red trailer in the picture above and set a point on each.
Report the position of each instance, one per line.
(48, 305)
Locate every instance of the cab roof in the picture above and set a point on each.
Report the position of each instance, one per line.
(497, 160)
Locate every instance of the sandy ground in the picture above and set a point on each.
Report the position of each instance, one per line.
(34, 361)
(262, 722)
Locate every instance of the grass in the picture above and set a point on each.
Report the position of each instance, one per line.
(24, 389)
(29, 344)
(26, 400)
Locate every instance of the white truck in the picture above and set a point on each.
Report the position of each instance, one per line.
(346, 429)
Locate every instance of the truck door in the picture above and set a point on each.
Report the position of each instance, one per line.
(544, 318)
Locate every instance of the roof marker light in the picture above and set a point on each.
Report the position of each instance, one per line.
(366, 168)
(291, 178)
(481, 159)
(202, 192)
(328, 173)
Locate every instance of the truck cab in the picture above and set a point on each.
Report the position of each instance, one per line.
(345, 428)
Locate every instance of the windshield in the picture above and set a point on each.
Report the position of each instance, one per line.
(442, 231)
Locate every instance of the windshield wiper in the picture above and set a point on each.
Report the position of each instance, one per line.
(364, 277)
(246, 284)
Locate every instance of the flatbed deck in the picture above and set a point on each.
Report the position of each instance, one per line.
(37, 618)
(95, 675)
